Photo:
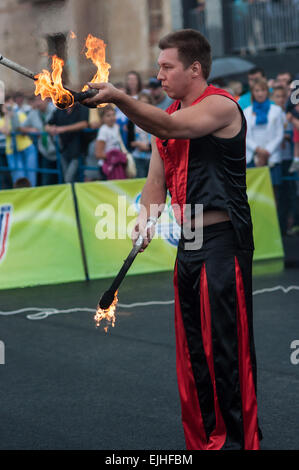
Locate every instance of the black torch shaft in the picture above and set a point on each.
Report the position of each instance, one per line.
(108, 296)
(124, 269)
(78, 96)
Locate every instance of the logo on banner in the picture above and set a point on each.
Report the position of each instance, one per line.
(5, 221)
(168, 229)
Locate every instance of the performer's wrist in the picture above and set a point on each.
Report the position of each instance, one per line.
(152, 219)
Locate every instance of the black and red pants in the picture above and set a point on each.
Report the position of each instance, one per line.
(216, 364)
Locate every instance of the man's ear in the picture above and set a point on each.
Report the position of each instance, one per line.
(196, 69)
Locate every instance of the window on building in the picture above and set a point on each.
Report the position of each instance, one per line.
(155, 9)
(57, 46)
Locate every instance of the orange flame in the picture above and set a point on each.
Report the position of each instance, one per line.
(96, 52)
(106, 314)
(49, 85)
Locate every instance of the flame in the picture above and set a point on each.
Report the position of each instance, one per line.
(72, 35)
(49, 85)
(96, 52)
(107, 314)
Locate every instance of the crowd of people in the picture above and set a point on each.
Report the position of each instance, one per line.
(272, 114)
(41, 144)
(38, 141)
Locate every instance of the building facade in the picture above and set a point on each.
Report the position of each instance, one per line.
(33, 30)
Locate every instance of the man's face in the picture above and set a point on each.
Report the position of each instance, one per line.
(279, 98)
(283, 79)
(260, 94)
(157, 93)
(40, 104)
(253, 77)
(174, 77)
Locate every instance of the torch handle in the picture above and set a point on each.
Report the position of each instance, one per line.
(129, 260)
(16, 67)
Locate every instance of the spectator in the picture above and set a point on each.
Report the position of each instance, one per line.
(160, 98)
(287, 198)
(292, 109)
(21, 154)
(142, 144)
(253, 74)
(293, 117)
(108, 139)
(35, 124)
(5, 180)
(265, 132)
(133, 84)
(21, 105)
(121, 118)
(68, 124)
(236, 87)
(283, 79)
(22, 183)
(94, 122)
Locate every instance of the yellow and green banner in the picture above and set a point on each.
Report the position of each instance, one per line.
(267, 237)
(39, 242)
(39, 237)
(107, 213)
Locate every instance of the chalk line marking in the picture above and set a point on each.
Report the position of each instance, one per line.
(42, 313)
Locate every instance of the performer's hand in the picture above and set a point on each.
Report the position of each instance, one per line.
(147, 234)
(107, 93)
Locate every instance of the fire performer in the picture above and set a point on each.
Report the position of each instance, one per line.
(199, 155)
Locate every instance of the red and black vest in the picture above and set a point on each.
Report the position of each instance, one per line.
(211, 171)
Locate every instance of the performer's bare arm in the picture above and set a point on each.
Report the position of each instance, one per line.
(153, 196)
(215, 114)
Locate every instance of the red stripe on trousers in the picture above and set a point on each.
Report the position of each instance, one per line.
(249, 402)
(195, 435)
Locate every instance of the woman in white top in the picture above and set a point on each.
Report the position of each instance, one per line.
(265, 132)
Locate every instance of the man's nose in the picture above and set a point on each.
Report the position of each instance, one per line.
(160, 75)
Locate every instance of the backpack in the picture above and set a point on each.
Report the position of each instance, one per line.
(114, 166)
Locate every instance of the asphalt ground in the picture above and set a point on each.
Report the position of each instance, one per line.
(67, 385)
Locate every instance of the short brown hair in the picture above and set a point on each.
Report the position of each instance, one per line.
(192, 46)
(261, 82)
(105, 109)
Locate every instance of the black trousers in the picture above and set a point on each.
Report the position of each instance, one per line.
(216, 364)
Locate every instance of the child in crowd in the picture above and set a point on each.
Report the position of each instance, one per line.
(112, 161)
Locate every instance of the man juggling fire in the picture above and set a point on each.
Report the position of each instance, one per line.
(198, 154)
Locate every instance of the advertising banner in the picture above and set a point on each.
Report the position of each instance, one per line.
(107, 212)
(39, 241)
(267, 237)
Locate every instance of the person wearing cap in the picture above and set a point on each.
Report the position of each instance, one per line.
(159, 97)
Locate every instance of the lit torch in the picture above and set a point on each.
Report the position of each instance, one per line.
(107, 305)
(49, 84)
(62, 95)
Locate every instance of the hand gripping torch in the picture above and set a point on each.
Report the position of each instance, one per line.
(108, 296)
